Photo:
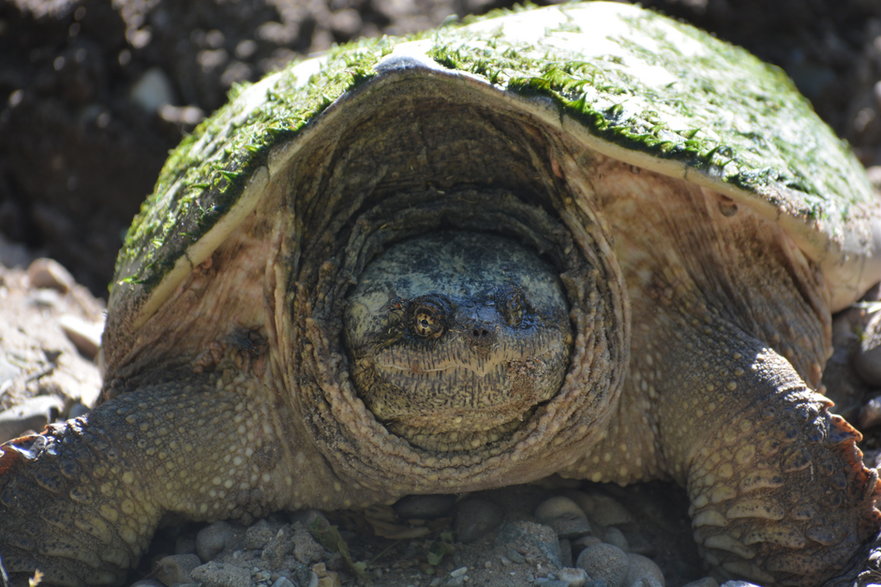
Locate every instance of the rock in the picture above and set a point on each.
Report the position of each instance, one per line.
(704, 582)
(211, 540)
(85, 336)
(216, 574)
(176, 568)
(867, 360)
(277, 549)
(257, 535)
(616, 537)
(643, 572)
(48, 273)
(305, 548)
(31, 414)
(564, 516)
(529, 541)
(602, 509)
(572, 577)
(475, 517)
(152, 90)
(605, 562)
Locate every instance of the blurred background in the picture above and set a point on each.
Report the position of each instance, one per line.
(94, 93)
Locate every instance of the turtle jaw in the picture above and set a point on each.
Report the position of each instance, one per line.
(481, 398)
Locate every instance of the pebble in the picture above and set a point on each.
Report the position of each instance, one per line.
(31, 414)
(556, 507)
(563, 515)
(148, 583)
(572, 577)
(528, 539)
(867, 362)
(49, 273)
(605, 562)
(643, 572)
(85, 336)
(176, 568)
(602, 509)
(258, 534)
(211, 540)
(616, 537)
(152, 90)
(283, 582)
(79, 409)
(222, 575)
(306, 548)
(475, 517)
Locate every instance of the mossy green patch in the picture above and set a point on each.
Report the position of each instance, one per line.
(204, 176)
(651, 84)
(631, 77)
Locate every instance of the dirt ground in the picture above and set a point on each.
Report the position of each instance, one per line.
(93, 94)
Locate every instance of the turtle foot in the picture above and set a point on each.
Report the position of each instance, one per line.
(792, 502)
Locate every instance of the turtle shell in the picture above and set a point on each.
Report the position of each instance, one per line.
(625, 82)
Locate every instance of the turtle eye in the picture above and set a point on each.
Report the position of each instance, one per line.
(427, 318)
(513, 307)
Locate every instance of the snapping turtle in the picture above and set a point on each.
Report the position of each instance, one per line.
(583, 240)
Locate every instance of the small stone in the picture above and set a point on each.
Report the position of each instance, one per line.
(283, 582)
(148, 583)
(222, 575)
(563, 515)
(605, 562)
(523, 539)
(85, 336)
(79, 409)
(572, 577)
(739, 584)
(306, 549)
(867, 362)
(30, 415)
(258, 534)
(616, 537)
(704, 582)
(278, 547)
(602, 509)
(211, 540)
(48, 273)
(643, 572)
(475, 517)
(176, 568)
(152, 90)
(556, 507)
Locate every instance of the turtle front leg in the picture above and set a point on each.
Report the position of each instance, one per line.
(81, 501)
(778, 490)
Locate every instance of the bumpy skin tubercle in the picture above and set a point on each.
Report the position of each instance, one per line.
(81, 501)
(777, 487)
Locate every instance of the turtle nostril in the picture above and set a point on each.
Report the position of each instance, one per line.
(480, 332)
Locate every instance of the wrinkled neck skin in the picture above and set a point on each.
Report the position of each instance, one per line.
(457, 337)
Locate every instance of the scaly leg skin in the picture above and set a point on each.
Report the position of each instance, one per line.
(778, 491)
(81, 501)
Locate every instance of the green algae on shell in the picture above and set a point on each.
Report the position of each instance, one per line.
(626, 82)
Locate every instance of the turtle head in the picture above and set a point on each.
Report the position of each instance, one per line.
(456, 337)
